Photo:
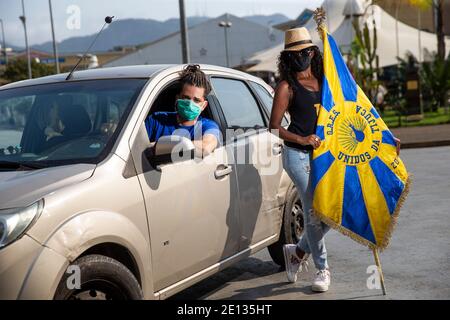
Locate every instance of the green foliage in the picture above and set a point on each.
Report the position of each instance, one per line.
(364, 51)
(18, 70)
(435, 79)
(397, 86)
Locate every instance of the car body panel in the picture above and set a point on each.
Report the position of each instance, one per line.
(22, 188)
(145, 211)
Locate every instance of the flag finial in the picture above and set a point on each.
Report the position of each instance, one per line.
(320, 17)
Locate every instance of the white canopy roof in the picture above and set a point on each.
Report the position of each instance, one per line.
(342, 30)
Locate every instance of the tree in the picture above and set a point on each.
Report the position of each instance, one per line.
(438, 5)
(18, 70)
(435, 76)
(364, 51)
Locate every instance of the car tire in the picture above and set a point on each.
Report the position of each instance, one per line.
(291, 228)
(101, 278)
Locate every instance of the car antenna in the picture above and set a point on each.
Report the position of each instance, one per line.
(108, 20)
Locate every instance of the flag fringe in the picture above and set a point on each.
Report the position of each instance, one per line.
(394, 217)
(356, 237)
(336, 226)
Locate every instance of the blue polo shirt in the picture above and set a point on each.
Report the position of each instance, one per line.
(165, 124)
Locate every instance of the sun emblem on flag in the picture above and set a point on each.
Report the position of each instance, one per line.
(351, 132)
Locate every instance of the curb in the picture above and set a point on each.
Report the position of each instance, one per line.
(425, 144)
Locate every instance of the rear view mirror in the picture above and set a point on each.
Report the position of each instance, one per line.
(169, 149)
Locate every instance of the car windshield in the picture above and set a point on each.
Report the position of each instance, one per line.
(62, 123)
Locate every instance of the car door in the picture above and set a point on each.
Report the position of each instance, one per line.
(257, 155)
(192, 211)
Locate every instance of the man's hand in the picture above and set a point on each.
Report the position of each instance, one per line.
(50, 133)
(397, 142)
(206, 145)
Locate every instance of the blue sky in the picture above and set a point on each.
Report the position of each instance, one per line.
(92, 12)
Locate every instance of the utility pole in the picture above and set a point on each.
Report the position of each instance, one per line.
(4, 42)
(55, 49)
(184, 34)
(23, 19)
(225, 25)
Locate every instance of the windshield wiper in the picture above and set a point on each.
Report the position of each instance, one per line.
(21, 165)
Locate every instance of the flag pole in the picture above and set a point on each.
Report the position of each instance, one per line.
(380, 271)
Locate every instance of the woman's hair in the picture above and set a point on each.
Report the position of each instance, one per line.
(288, 73)
(192, 75)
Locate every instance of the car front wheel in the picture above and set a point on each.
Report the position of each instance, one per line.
(292, 226)
(101, 278)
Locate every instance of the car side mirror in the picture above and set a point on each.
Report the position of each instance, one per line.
(170, 149)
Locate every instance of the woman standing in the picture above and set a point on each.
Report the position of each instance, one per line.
(300, 67)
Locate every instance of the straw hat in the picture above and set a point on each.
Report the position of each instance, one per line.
(297, 39)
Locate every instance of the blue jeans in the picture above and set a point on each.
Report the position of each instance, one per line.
(297, 164)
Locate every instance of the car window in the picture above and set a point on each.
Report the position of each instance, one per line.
(267, 100)
(63, 122)
(238, 104)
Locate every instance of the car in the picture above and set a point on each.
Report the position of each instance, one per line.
(103, 214)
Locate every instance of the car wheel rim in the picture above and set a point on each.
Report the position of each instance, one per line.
(98, 290)
(297, 225)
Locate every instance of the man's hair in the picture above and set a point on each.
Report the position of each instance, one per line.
(192, 75)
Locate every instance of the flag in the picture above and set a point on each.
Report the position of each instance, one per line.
(358, 181)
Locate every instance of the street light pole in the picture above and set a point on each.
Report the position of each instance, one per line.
(184, 34)
(55, 49)
(4, 42)
(23, 19)
(225, 25)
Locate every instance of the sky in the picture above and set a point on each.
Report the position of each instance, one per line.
(82, 17)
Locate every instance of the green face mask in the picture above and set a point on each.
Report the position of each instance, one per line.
(187, 109)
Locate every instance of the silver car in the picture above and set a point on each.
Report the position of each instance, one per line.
(99, 216)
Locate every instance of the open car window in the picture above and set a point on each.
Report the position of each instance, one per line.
(166, 99)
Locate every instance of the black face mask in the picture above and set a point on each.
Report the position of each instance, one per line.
(300, 62)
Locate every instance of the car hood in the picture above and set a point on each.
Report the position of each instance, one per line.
(22, 188)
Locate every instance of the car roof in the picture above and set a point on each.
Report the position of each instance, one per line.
(136, 71)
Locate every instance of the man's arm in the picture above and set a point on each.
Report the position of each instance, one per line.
(150, 124)
(210, 138)
(206, 145)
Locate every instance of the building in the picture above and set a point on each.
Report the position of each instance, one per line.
(68, 60)
(300, 21)
(207, 44)
(340, 15)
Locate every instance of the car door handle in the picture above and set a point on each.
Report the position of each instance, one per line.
(222, 171)
(276, 149)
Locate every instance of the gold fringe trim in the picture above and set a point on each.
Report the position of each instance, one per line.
(319, 17)
(356, 237)
(394, 218)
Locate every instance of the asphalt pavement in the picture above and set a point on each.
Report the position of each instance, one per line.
(416, 265)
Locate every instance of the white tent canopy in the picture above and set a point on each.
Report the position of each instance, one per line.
(342, 30)
(267, 59)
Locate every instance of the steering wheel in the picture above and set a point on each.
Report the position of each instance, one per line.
(93, 141)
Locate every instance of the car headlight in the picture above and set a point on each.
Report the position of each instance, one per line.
(14, 222)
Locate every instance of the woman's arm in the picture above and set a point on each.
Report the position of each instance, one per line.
(280, 105)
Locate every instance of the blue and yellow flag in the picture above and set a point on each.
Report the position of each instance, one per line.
(359, 182)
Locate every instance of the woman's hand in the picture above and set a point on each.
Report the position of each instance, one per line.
(312, 140)
(397, 142)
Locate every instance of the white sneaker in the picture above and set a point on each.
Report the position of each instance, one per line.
(322, 281)
(293, 263)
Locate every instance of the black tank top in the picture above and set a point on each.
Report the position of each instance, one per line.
(303, 111)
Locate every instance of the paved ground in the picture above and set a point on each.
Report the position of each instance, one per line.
(423, 136)
(416, 265)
